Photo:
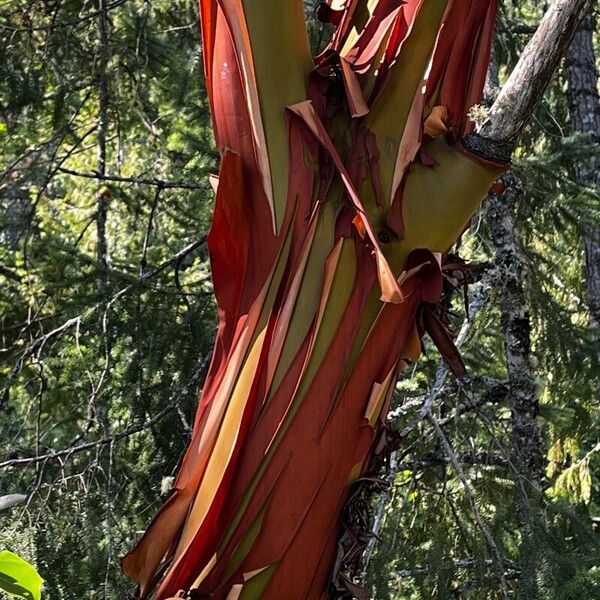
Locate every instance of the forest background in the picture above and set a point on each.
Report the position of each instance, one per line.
(107, 318)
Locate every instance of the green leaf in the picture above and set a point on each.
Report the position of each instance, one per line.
(19, 578)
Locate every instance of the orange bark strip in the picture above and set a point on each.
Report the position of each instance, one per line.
(365, 48)
(377, 397)
(356, 100)
(234, 132)
(401, 28)
(234, 13)
(142, 563)
(460, 60)
(229, 238)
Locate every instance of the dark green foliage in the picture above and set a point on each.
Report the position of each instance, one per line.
(115, 375)
(129, 355)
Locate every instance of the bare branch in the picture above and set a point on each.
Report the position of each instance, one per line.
(161, 183)
(470, 493)
(11, 500)
(496, 392)
(530, 77)
(459, 563)
(9, 273)
(185, 391)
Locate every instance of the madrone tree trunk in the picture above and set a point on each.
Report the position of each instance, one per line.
(344, 180)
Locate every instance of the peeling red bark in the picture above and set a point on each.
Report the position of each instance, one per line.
(318, 292)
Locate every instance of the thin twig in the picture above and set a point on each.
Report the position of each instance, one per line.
(459, 563)
(470, 493)
(185, 391)
(161, 183)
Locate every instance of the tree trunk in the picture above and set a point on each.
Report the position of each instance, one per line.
(344, 180)
(584, 110)
(526, 456)
(102, 195)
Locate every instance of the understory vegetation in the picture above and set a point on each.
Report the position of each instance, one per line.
(107, 320)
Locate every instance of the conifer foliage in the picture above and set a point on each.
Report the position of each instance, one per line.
(324, 460)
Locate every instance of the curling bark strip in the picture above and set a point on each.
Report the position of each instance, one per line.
(343, 181)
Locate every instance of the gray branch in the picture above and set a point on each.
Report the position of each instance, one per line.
(153, 181)
(529, 79)
(472, 499)
(11, 500)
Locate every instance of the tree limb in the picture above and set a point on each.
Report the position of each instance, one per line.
(532, 73)
(471, 498)
(11, 500)
(472, 458)
(9, 273)
(160, 183)
(458, 563)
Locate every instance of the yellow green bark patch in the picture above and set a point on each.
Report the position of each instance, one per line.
(308, 295)
(254, 588)
(282, 62)
(389, 115)
(243, 548)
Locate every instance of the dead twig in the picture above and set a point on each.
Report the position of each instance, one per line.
(184, 392)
